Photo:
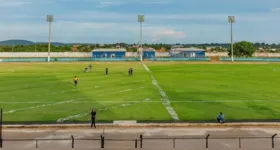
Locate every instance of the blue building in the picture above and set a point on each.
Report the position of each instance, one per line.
(149, 53)
(187, 52)
(108, 53)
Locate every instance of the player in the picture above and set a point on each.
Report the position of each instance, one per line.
(130, 72)
(76, 81)
(89, 68)
(106, 71)
(93, 117)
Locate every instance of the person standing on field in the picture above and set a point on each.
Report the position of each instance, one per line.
(106, 71)
(76, 80)
(89, 68)
(93, 117)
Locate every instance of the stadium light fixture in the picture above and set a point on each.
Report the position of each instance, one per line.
(231, 20)
(141, 19)
(50, 19)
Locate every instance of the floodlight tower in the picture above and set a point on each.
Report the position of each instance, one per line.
(231, 20)
(49, 20)
(140, 50)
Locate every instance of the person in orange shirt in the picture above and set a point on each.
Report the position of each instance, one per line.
(76, 80)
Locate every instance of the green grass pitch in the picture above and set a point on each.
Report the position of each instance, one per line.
(45, 92)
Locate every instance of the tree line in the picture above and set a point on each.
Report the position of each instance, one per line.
(243, 48)
(78, 48)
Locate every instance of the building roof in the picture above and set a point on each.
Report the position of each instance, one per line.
(187, 49)
(149, 49)
(109, 50)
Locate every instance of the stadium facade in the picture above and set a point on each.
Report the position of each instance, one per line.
(187, 52)
(149, 53)
(108, 53)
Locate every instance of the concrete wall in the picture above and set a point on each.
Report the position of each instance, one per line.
(220, 54)
(131, 54)
(44, 54)
(128, 54)
(257, 54)
(162, 54)
(266, 55)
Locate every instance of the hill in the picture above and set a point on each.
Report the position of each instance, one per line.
(25, 42)
(16, 42)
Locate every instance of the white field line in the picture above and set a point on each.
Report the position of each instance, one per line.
(67, 91)
(102, 109)
(40, 106)
(36, 102)
(165, 100)
(112, 101)
(122, 91)
(78, 89)
(115, 92)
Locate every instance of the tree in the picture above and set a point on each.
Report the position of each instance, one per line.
(204, 47)
(242, 49)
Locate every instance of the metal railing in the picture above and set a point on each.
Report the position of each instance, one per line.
(139, 142)
(206, 139)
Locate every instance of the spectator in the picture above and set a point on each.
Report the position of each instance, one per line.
(221, 118)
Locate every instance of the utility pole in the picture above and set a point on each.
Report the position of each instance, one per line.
(49, 20)
(231, 20)
(141, 20)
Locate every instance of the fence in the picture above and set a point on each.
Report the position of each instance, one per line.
(65, 59)
(137, 142)
(140, 142)
(81, 54)
(99, 59)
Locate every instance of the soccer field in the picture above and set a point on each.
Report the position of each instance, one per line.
(45, 92)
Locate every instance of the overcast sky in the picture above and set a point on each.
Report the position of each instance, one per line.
(166, 21)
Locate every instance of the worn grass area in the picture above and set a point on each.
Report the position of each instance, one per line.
(45, 92)
(241, 91)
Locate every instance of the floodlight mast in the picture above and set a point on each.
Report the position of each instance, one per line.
(50, 19)
(141, 19)
(231, 20)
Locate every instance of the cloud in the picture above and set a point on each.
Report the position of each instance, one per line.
(109, 4)
(83, 25)
(275, 10)
(155, 40)
(169, 33)
(86, 23)
(60, 28)
(157, 2)
(169, 18)
(12, 3)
